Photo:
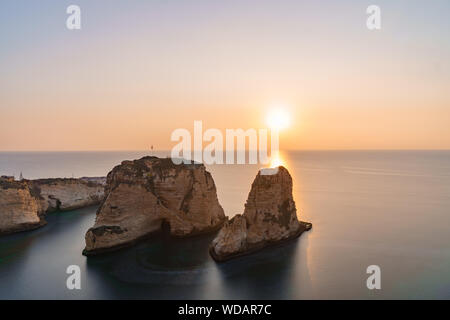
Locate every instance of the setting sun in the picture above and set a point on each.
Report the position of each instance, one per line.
(278, 119)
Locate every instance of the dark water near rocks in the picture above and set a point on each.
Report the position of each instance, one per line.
(388, 208)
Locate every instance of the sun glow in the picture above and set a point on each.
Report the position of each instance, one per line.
(276, 161)
(278, 119)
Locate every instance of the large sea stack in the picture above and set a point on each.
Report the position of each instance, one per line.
(23, 204)
(142, 196)
(270, 217)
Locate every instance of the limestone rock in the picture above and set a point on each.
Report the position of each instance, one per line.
(143, 195)
(23, 204)
(67, 194)
(19, 208)
(270, 217)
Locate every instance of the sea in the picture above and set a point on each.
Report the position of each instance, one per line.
(390, 209)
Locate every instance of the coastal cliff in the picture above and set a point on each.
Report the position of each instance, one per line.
(143, 196)
(68, 194)
(23, 204)
(269, 218)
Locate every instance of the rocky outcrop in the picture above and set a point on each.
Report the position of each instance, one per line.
(270, 217)
(142, 196)
(67, 194)
(20, 208)
(23, 204)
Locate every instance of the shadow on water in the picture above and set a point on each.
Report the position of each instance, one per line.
(266, 274)
(33, 265)
(159, 259)
(163, 267)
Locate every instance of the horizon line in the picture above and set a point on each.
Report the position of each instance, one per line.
(168, 150)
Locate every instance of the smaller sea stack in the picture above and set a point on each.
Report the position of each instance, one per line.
(269, 218)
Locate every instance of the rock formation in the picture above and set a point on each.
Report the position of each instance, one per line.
(23, 204)
(270, 217)
(19, 208)
(142, 196)
(68, 194)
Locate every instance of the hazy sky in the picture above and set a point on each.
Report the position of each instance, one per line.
(137, 70)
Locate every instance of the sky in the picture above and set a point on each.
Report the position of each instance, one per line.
(138, 70)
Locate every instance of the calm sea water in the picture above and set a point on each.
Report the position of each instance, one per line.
(388, 208)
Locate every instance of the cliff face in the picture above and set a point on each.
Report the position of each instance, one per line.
(270, 217)
(144, 194)
(67, 194)
(23, 204)
(19, 208)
